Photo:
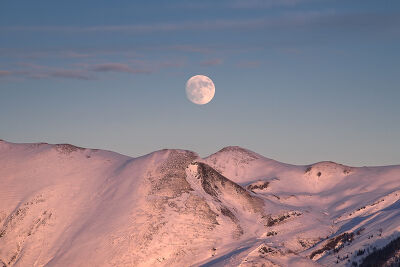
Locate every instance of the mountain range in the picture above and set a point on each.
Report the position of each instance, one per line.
(63, 205)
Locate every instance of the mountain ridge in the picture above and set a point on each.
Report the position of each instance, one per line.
(220, 151)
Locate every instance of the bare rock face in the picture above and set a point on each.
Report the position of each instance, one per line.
(259, 185)
(67, 148)
(172, 212)
(229, 200)
(218, 186)
(25, 223)
(171, 181)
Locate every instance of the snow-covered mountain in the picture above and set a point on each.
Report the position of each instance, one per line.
(62, 205)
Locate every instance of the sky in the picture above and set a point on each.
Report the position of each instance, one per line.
(299, 81)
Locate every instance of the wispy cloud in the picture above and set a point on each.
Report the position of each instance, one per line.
(71, 74)
(65, 53)
(211, 62)
(311, 19)
(31, 66)
(219, 24)
(140, 28)
(35, 71)
(86, 71)
(117, 67)
(57, 73)
(5, 73)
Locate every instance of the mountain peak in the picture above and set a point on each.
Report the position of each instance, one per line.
(236, 152)
(234, 149)
(328, 168)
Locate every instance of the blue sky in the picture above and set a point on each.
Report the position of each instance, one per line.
(299, 81)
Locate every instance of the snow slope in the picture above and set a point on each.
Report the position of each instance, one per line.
(62, 205)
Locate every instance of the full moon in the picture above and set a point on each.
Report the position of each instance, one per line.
(200, 89)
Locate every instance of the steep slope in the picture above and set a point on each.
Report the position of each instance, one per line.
(345, 210)
(61, 205)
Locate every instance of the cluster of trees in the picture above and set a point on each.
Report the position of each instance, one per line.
(332, 244)
(380, 256)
